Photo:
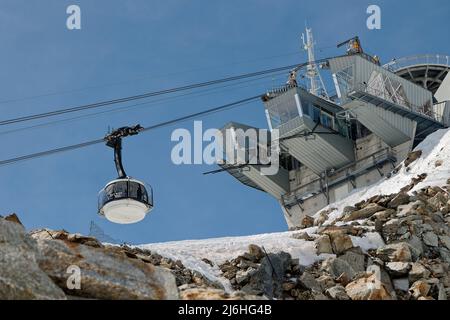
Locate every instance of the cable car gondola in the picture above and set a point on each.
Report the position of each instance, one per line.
(124, 200)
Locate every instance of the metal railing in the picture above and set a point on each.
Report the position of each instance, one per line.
(437, 59)
(440, 112)
(426, 110)
(278, 90)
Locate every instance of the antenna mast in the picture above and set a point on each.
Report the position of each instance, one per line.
(312, 72)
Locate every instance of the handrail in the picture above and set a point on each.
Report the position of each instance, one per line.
(404, 62)
(426, 110)
(278, 90)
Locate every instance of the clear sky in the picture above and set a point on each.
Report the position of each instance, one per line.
(131, 47)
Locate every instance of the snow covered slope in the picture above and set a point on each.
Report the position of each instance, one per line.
(434, 161)
(218, 250)
(435, 149)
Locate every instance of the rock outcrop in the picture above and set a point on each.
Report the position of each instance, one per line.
(43, 264)
(20, 274)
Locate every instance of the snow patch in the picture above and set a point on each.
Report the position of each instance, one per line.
(219, 250)
(371, 240)
(435, 147)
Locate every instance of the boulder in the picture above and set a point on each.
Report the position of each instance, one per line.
(306, 222)
(308, 281)
(416, 246)
(340, 242)
(376, 268)
(208, 262)
(406, 210)
(445, 240)
(302, 236)
(401, 284)
(47, 234)
(445, 254)
(104, 274)
(319, 296)
(438, 201)
(437, 217)
(384, 200)
(419, 289)
(367, 287)
(390, 228)
(326, 282)
(337, 293)
(289, 285)
(242, 276)
(430, 239)
(255, 252)
(355, 258)
(348, 210)
(322, 217)
(245, 263)
(13, 218)
(384, 214)
(20, 276)
(412, 156)
(269, 277)
(417, 272)
(437, 269)
(378, 225)
(400, 199)
(323, 244)
(336, 267)
(398, 269)
(364, 213)
(395, 252)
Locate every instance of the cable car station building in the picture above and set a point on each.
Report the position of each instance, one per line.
(331, 146)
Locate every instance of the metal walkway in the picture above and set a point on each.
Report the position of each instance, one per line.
(425, 118)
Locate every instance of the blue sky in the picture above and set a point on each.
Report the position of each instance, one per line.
(131, 47)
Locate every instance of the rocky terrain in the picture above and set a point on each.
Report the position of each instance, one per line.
(384, 246)
(43, 265)
(413, 263)
(40, 265)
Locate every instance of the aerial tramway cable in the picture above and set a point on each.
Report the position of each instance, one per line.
(144, 77)
(151, 103)
(141, 96)
(145, 129)
(153, 94)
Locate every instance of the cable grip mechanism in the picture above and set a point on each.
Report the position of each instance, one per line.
(114, 140)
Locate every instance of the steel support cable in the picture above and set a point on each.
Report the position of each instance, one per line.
(141, 104)
(50, 152)
(184, 118)
(128, 81)
(146, 129)
(143, 96)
